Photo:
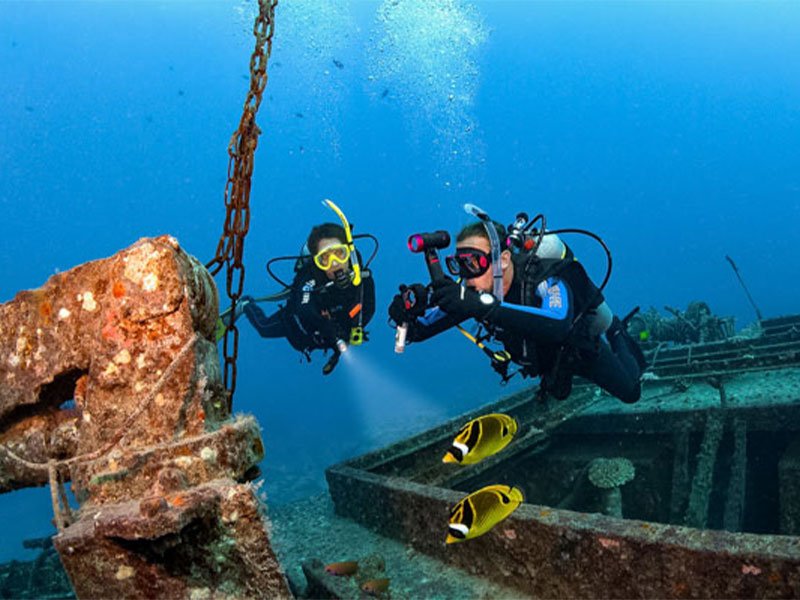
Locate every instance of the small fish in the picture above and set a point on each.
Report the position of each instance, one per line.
(375, 586)
(180, 92)
(477, 513)
(338, 64)
(385, 93)
(480, 438)
(341, 569)
(299, 115)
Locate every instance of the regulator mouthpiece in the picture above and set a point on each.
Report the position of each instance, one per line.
(342, 278)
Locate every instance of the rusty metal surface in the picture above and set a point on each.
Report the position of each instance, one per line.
(227, 452)
(105, 318)
(111, 379)
(206, 540)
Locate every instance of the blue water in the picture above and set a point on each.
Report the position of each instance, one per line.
(671, 129)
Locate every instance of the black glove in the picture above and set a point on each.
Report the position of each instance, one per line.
(327, 334)
(409, 304)
(460, 301)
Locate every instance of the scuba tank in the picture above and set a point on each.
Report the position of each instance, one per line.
(524, 238)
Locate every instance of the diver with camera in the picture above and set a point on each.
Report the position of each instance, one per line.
(527, 292)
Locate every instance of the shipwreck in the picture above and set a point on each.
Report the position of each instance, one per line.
(692, 492)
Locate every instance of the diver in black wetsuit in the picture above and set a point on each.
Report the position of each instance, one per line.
(550, 321)
(330, 301)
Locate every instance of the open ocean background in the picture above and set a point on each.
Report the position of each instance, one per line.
(671, 129)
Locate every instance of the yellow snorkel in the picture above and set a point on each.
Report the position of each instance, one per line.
(349, 235)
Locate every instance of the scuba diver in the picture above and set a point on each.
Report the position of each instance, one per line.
(330, 300)
(530, 294)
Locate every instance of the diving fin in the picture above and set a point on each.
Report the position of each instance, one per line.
(558, 384)
(329, 366)
(627, 318)
(617, 334)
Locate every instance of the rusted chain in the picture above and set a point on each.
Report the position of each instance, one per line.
(241, 151)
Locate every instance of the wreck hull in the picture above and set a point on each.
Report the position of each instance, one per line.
(549, 553)
(710, 441)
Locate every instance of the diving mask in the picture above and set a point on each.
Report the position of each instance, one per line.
(328, 256)
(468, 262)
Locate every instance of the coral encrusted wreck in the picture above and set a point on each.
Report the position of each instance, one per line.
(109, 378)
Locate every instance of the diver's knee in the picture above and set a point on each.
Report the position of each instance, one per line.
(600, 319)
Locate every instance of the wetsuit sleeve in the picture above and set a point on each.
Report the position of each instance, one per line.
(267, 327)
(549, 323)
(433, 322)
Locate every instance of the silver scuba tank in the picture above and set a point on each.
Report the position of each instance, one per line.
(599, 319)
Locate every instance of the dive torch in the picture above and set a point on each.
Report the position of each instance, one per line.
(428, 244)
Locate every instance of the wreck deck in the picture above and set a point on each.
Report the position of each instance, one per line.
(715, 444)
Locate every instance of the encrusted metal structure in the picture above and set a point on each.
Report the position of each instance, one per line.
(713, 509)
(110, 379)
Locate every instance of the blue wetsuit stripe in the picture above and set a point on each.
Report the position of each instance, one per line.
(555, 303)
(431, 316)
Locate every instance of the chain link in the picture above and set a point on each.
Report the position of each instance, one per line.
(241, 151)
